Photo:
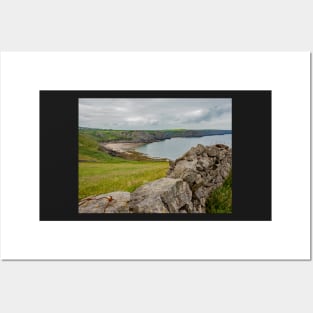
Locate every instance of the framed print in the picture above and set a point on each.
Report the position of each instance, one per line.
(133, 155)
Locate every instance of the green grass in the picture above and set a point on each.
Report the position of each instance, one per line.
(220, 200)
(104, 177)
(89, 150)
(103, 173)
(101, 135)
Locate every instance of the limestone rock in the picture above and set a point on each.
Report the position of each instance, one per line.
(165, 195)
(203, 168)
(101, 204)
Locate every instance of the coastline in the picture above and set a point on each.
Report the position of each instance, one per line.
(126, 150)
(122, 146)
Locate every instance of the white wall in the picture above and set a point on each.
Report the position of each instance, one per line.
(149, 286)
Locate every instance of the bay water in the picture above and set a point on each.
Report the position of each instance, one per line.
(175, 147)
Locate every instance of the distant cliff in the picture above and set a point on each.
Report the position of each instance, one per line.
(147, 136)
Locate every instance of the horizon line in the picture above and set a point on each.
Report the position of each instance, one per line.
(155, 129)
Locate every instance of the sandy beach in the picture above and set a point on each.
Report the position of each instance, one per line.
(127, 151)
(122, 146)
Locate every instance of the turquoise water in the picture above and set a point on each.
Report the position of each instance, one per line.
(176, 147)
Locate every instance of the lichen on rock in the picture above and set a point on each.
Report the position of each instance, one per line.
(165, 195)
(119, 203)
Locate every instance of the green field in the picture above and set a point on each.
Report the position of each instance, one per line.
(101, 173)
(104, 177)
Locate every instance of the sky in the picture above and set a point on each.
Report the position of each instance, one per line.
(155, 113)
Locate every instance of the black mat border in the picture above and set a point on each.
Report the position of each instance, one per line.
(252, 122)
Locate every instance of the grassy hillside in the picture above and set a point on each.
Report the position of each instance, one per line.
(89, 150)
(103, 173)
(220, 200)
(145, 135)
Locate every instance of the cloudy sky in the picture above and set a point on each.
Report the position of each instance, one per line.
(155, 113)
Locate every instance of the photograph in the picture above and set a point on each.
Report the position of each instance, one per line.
(155, 155)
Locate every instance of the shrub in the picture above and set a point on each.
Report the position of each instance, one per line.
(220, 200)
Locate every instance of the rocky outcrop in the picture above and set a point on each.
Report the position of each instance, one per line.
(188, 184)
(203, 169)
(157, 135)
(114, 202)
(165, 195)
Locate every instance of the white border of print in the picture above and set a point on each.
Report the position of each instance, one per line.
(287, 74)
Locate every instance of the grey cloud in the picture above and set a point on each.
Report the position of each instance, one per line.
(156, 113)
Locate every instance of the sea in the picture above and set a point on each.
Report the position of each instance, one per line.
(175, 147)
